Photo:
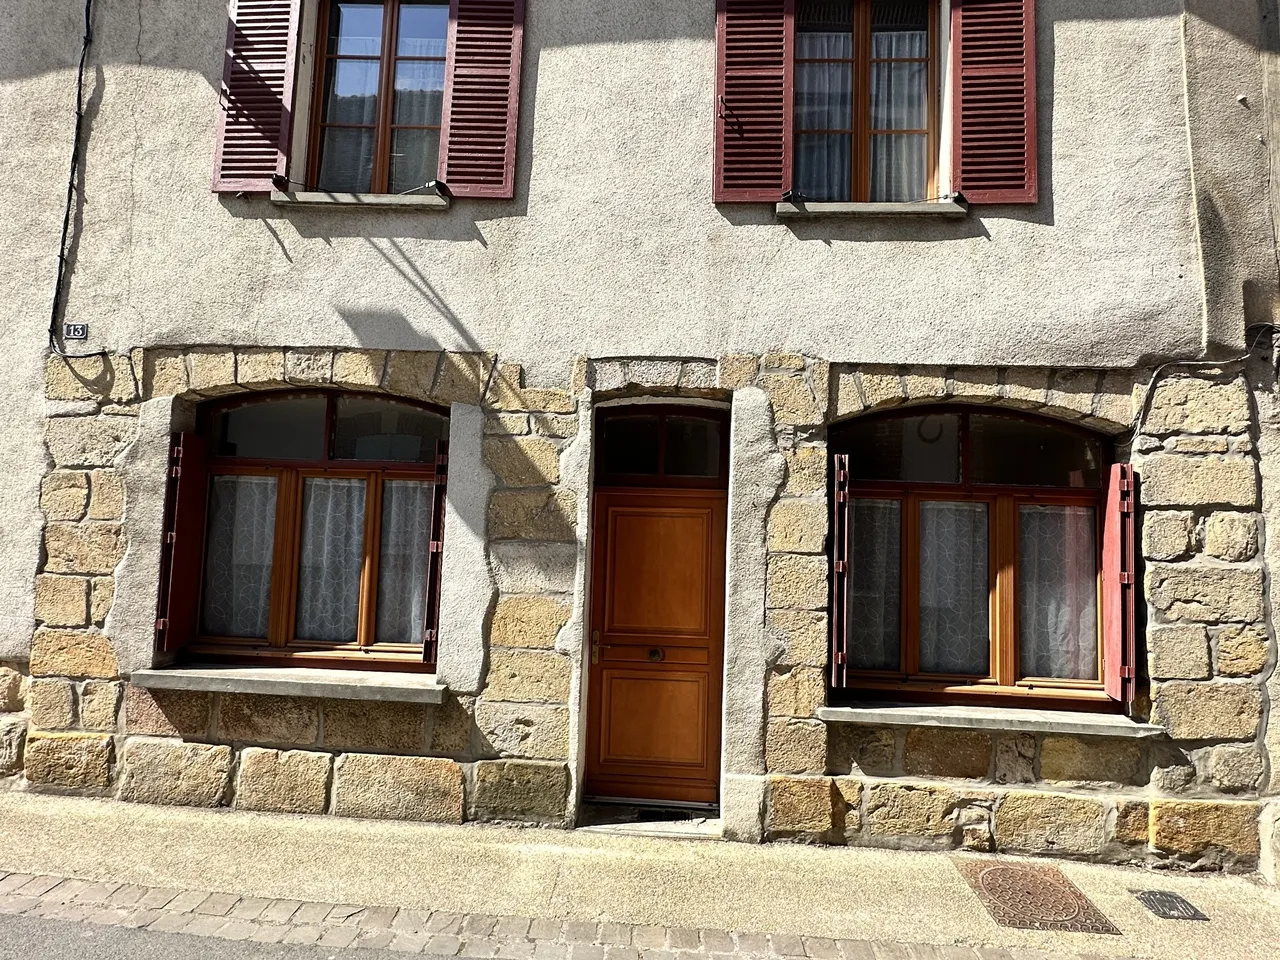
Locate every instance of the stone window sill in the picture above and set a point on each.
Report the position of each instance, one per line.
(800, 210)
(298, 682)
(380, 201)
(1005, 719)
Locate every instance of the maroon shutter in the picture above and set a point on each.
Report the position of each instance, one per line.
(435, 556)
(754, 43)
(256, 102)
(839, 571)
(1119, 586)
(482, 98)
(182, 550)
(994, 81)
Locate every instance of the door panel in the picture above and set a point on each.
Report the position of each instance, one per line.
(657, 622)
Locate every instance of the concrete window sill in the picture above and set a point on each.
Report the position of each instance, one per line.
(298, 682)
(377, 201)
(802, 210)
(1004, 719)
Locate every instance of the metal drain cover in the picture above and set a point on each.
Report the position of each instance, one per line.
(1031, 897)
(1168, 906)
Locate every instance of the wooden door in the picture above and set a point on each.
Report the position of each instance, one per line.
(657, 645)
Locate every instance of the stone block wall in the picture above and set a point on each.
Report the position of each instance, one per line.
(510, 749)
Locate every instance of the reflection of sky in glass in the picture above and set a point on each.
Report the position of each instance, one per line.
(358, 27)
(423, 30)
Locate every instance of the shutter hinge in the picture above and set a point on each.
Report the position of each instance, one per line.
(840, 566)
(1126, 673)
(435, 546)
(1126, 506)
(162, 625)
(171, 537)
(841, 659)
(1126, 578)
(842, 496)
(1126, 486)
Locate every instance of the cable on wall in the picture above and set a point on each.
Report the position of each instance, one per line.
(59, 289)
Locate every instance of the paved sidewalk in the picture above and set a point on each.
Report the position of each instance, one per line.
(535, 894)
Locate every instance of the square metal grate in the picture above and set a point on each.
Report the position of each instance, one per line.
(1033, 897)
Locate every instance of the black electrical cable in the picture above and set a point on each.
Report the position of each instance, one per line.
(59, 285)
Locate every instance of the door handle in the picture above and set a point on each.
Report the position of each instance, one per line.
(595, 646)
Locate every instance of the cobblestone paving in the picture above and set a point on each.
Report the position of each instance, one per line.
(350, 926)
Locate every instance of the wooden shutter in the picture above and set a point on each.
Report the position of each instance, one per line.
(435, 556)
(182, 551)
(994, 92)
(754, 44)
(482, 98)
(1119, 584)
(839, 571)
(256, 103)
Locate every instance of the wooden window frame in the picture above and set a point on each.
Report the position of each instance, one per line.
(281, 646)
(1003, 684)
(384, 125)
(661, 479)
(861, 132)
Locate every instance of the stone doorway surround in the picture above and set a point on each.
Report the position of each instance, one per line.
(506, 742)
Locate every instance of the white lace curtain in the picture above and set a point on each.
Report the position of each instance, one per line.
(331, 557)
(238, 552)
(1057, 591)
(402, 573)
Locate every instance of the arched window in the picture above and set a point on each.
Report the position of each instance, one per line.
(968, 554)
(307, 527)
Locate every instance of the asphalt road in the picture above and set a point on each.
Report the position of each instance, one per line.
(23, 938)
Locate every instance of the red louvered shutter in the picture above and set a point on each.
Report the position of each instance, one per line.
(435, 556)
(994, 143)
(840, 572)
(1119, 584)
(256, 104)
(754, 44)
(482, 98)
(182, 552)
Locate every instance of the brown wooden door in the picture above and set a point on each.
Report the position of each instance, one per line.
(657, 632)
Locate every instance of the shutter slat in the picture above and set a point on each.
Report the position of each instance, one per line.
(482, 98)
(995, 152)
(754, 40)
(255, 119)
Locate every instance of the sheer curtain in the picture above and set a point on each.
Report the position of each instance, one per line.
(875, 585)
(955, 590)
(238, 552)
(824, 101)
(402, 569)
(1058, 592)
(899, 161)
(332, 554)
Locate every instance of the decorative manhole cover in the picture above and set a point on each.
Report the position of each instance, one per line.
(1168, 906)
(1033, 897)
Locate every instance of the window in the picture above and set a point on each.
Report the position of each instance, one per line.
(865, 95)
(315, 534)
(379, 96)
(967, 551)
(657, 445)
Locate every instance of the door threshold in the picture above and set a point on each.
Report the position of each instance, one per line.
(699, 828)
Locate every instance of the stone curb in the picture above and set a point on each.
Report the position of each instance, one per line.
(350, 926)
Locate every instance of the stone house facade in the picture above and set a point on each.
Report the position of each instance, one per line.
(539, 333)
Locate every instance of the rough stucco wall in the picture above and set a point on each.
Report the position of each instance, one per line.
(603, 249)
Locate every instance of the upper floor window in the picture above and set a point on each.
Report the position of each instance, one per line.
(968, 549)
(308, 526)
(380, 91)
(865, 100)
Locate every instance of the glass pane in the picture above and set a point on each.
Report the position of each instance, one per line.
(824, 96)
(899, 167)
(955, 610)
(898, 96)
(917, 449)
(287, 429)
(414, 159)
(1023, 453)
(424, 28)
(693, 447)
(236, 600)
(419, 93)
(630, 445)
(355, 29)
(824, 29)
(332, 554)
(875, 585)
(402, 567)
(346, 160)
(367, 429)
(352, 94)
(1058, 592)
(823, 166)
